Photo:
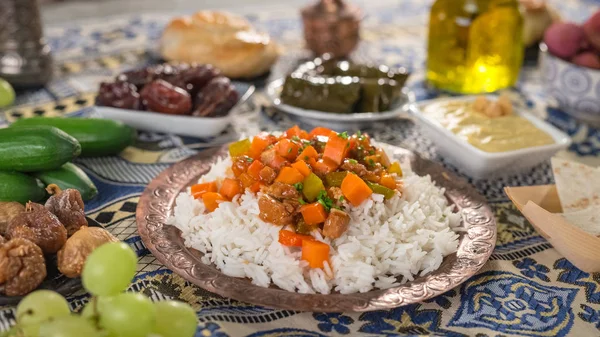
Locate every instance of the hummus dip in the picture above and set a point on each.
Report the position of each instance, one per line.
(490, 134)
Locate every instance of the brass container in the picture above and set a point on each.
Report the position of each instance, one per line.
(331, 26)
(25, 59)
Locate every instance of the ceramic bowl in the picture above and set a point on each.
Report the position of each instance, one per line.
(479, 164)
(576, 89)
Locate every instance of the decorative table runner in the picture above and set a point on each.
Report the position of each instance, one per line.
(526, 288)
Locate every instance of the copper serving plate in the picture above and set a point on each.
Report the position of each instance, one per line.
(165, 242)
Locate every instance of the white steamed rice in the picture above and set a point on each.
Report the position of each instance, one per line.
(387, 241)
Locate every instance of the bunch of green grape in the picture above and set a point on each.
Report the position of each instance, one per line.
(111, 312)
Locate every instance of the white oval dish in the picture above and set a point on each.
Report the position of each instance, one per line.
(339, 121)
(200, 127)
(479, 164)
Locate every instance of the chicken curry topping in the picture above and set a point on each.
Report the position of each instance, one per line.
(306, 179)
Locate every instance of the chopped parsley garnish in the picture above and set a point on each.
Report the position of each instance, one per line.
(352, 161)
(306, 157)
(248, 159)
(296, 138)
(298, 186)
(360, 148)
(359, 134)
(307, 142)
(301, 201)
(341, 199)
(343, 135)
(289, 150)
(371, 162)
(371, 152)
(325, 200)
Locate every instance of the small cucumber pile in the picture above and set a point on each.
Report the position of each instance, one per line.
(36, 152)
(98, 137)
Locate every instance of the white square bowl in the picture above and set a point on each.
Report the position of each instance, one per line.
(479, 164)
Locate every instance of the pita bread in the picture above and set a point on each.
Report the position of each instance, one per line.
(578, 185)
(587, 219)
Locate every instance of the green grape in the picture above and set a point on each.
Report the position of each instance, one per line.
(174, 319)
(30, 330)
(41, 305)
(109, 269)
(128, 315)
(89, 312)
(12, 332)
(7, 94)
(69, 326)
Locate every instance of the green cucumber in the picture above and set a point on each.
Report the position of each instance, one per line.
(98, 137)
(69, 176)
(19, 187)
(36, 148)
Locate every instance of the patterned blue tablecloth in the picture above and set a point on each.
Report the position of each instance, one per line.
(526, 288)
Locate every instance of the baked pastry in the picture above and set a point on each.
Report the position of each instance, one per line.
(536, 18)
(224, 40)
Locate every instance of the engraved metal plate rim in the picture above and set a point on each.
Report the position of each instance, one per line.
(164, 241)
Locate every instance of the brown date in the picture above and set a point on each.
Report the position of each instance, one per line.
(216, 98)
(161, 96)
(119, 95)
(195, 77)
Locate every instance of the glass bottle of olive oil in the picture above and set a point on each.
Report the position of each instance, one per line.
(475, 46)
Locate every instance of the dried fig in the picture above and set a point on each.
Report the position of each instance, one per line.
(68, 207)
(39, 226)
(72, 256)
(8, 210)
(22, 267)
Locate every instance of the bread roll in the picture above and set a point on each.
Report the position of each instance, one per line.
(536, 18)
(224, 40)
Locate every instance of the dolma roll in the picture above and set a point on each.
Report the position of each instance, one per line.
(330, 94)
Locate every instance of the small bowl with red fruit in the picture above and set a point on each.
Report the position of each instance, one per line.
(570, 65)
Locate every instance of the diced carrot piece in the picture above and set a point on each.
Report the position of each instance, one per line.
(307, 153)
(315, 253)
(297, 132)
(246, 180)
(291, 239)
(287, 149)
(322, 167)
(336, 148)
(260, 143)
(387, 181)
(199, 189)
(211, 200)
(355, 189)
(230, 188)
(289, 175)
(254, 169)
(255, 187)
(313, 213)
(302, 167)
(319, 131)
